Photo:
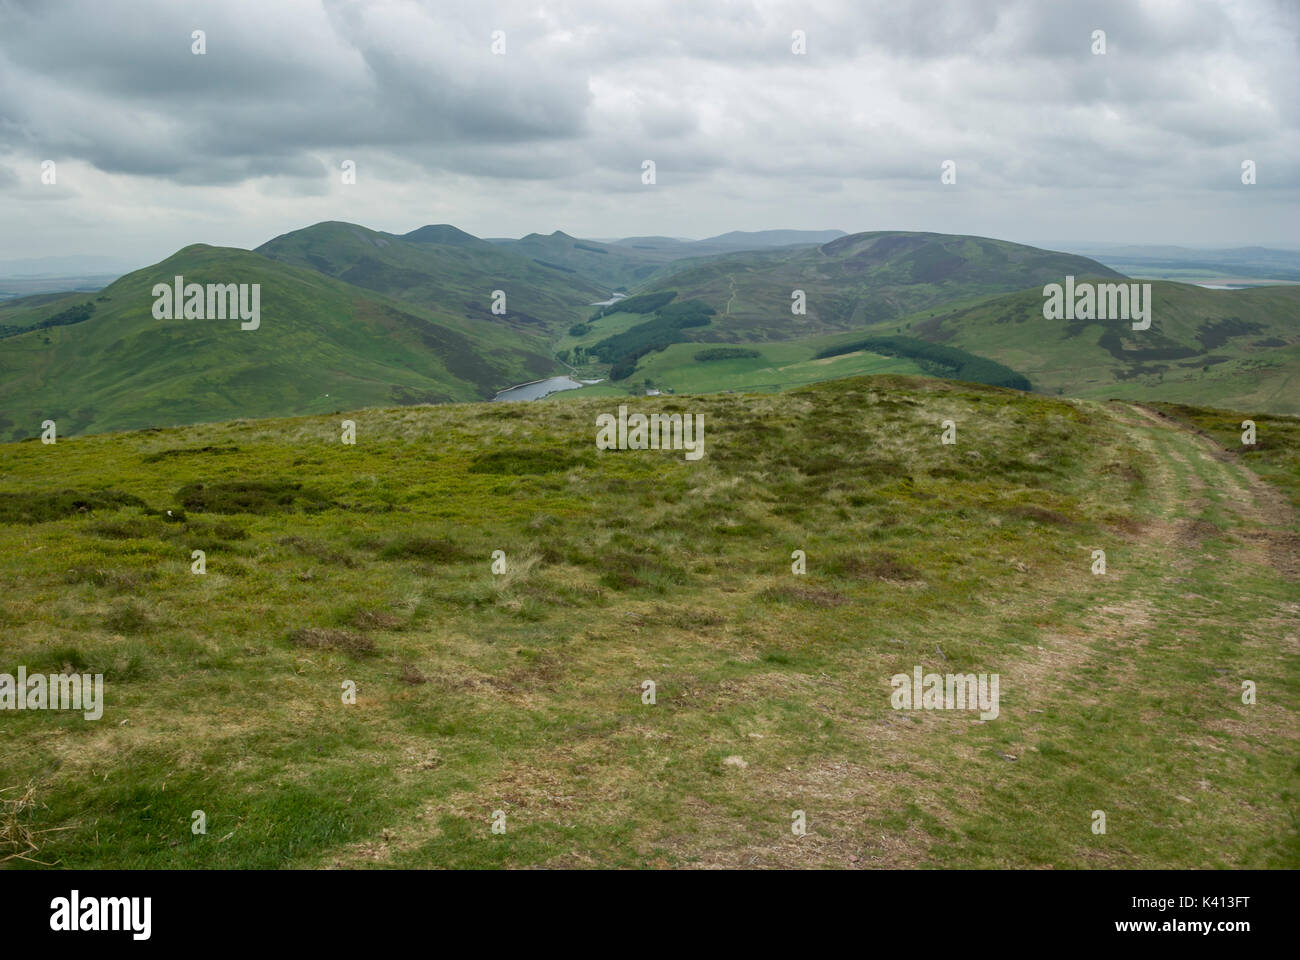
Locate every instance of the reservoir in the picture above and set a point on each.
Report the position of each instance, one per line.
(541, 388)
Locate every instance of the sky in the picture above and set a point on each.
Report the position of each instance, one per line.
(156, 146)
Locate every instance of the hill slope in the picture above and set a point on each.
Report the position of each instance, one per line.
(734, 241)
(322, 345)
(861, 279)
(442, 268)
(522, 692)
(611, 266)
(1235, 348)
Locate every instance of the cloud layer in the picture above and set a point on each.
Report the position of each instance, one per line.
(157, 147)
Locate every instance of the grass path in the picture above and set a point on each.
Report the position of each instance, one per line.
(1141, 713)
(1128, 702)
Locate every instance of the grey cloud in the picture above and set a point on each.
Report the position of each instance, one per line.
(710, 91)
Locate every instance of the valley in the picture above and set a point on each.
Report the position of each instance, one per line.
(437, 315)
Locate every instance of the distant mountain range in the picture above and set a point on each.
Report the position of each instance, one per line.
(354, 317)
(621, 264)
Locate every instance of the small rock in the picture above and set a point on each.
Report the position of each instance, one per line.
(735, 760)
(1008, 757)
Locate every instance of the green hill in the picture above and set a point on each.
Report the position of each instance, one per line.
(849, 283)
(41, 311)
(611, 266)
(322, 345)
(364, 317)
(522, 691)
(626, 263)
(860, 279)
(1233, 348)
(1236, 348)
(443, 268)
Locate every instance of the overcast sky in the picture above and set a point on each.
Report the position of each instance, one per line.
(157, 147)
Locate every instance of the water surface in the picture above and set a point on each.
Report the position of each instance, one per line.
(540, 388)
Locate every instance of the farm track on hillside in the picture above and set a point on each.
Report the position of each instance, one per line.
(1129, 704)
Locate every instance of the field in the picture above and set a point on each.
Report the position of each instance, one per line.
(522, 692)
(1235, 349)
(779, 366)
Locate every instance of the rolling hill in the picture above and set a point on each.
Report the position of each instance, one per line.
(623, 264)
(849, 283)
(861, 279)
(364, 317)
(613, 266)
(1234, 348)
(322, 345)
(442, 268)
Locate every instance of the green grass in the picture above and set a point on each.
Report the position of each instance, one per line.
(1235, 349)
(779, 366)
(521, 692)
(1275, 454)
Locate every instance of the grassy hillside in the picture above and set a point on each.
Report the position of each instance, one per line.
(861, 279)
(1230, 348)
(322, 345)
(684, 359)
(610, 266)
(626, 263)
(39, 310)
(445, 269)
(522, 692)
(408, 319)
(777, 366)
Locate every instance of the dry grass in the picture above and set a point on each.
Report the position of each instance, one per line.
(16, 835)
(324, 638)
